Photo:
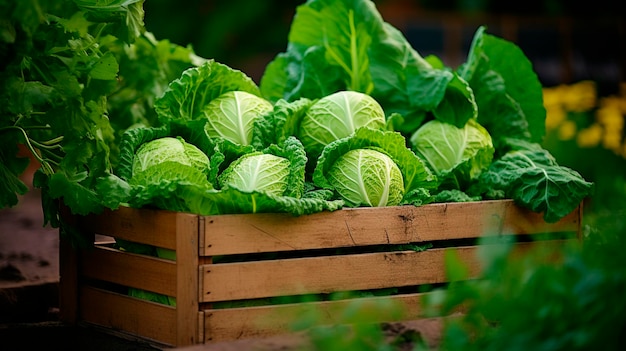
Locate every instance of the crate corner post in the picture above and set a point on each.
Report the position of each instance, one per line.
(187, 305)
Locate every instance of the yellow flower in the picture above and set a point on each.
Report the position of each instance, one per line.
(610, 117)
(612, 140)
(554, 116)
(552, 97)
(580, 97)
(590, 136)
(567, 130)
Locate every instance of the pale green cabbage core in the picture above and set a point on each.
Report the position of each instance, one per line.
(169, 149)
(257, 172)
(365, 177)
(337, 116)
(231, 116)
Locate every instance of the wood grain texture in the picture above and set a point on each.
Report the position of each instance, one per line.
(147, 319)
(137, 271)
(146, 226)
(263, 321)
(186, 280)
(326, 274)
(250, 233)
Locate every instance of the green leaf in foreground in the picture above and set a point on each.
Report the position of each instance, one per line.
(534, 180)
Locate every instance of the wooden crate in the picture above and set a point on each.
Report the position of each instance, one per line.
(274, 255)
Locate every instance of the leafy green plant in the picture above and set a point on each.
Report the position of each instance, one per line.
(574, 303)
(68, 83)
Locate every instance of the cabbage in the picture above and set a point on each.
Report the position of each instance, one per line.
(365, 177)
(153, 154)
(456, 155)
(257, 172)
(231, 116)
(337, 116)
(373, 168)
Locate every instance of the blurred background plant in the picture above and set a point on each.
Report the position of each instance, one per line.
(585, 131)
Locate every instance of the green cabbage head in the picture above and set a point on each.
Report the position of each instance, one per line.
(231, 116)
(158, 155)
(456, 155)
(367, 177)
(337, 116)
(260, 172)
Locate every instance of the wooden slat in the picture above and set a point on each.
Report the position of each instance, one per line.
(147, 226)
(137, 271)
(249, 233)
(187, 307)
(327, 274)
(138, 317)
(314, 275)
(263, 321)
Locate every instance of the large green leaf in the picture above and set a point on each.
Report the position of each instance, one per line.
(508, 91)
(534, 180)
(345, 45)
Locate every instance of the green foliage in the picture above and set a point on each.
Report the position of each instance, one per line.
(534, 303)
(536, 181)
(346, 45)
(69, 88)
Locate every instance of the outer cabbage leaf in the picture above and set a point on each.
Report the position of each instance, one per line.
(534, 180)
(231, 116)
(508, 91)
(185, 98)
(204, 201)
(277, 125)
(159, 187)
(407, 84)
(345, 45)
(300, 72)
(414, 171)
(456, 155)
